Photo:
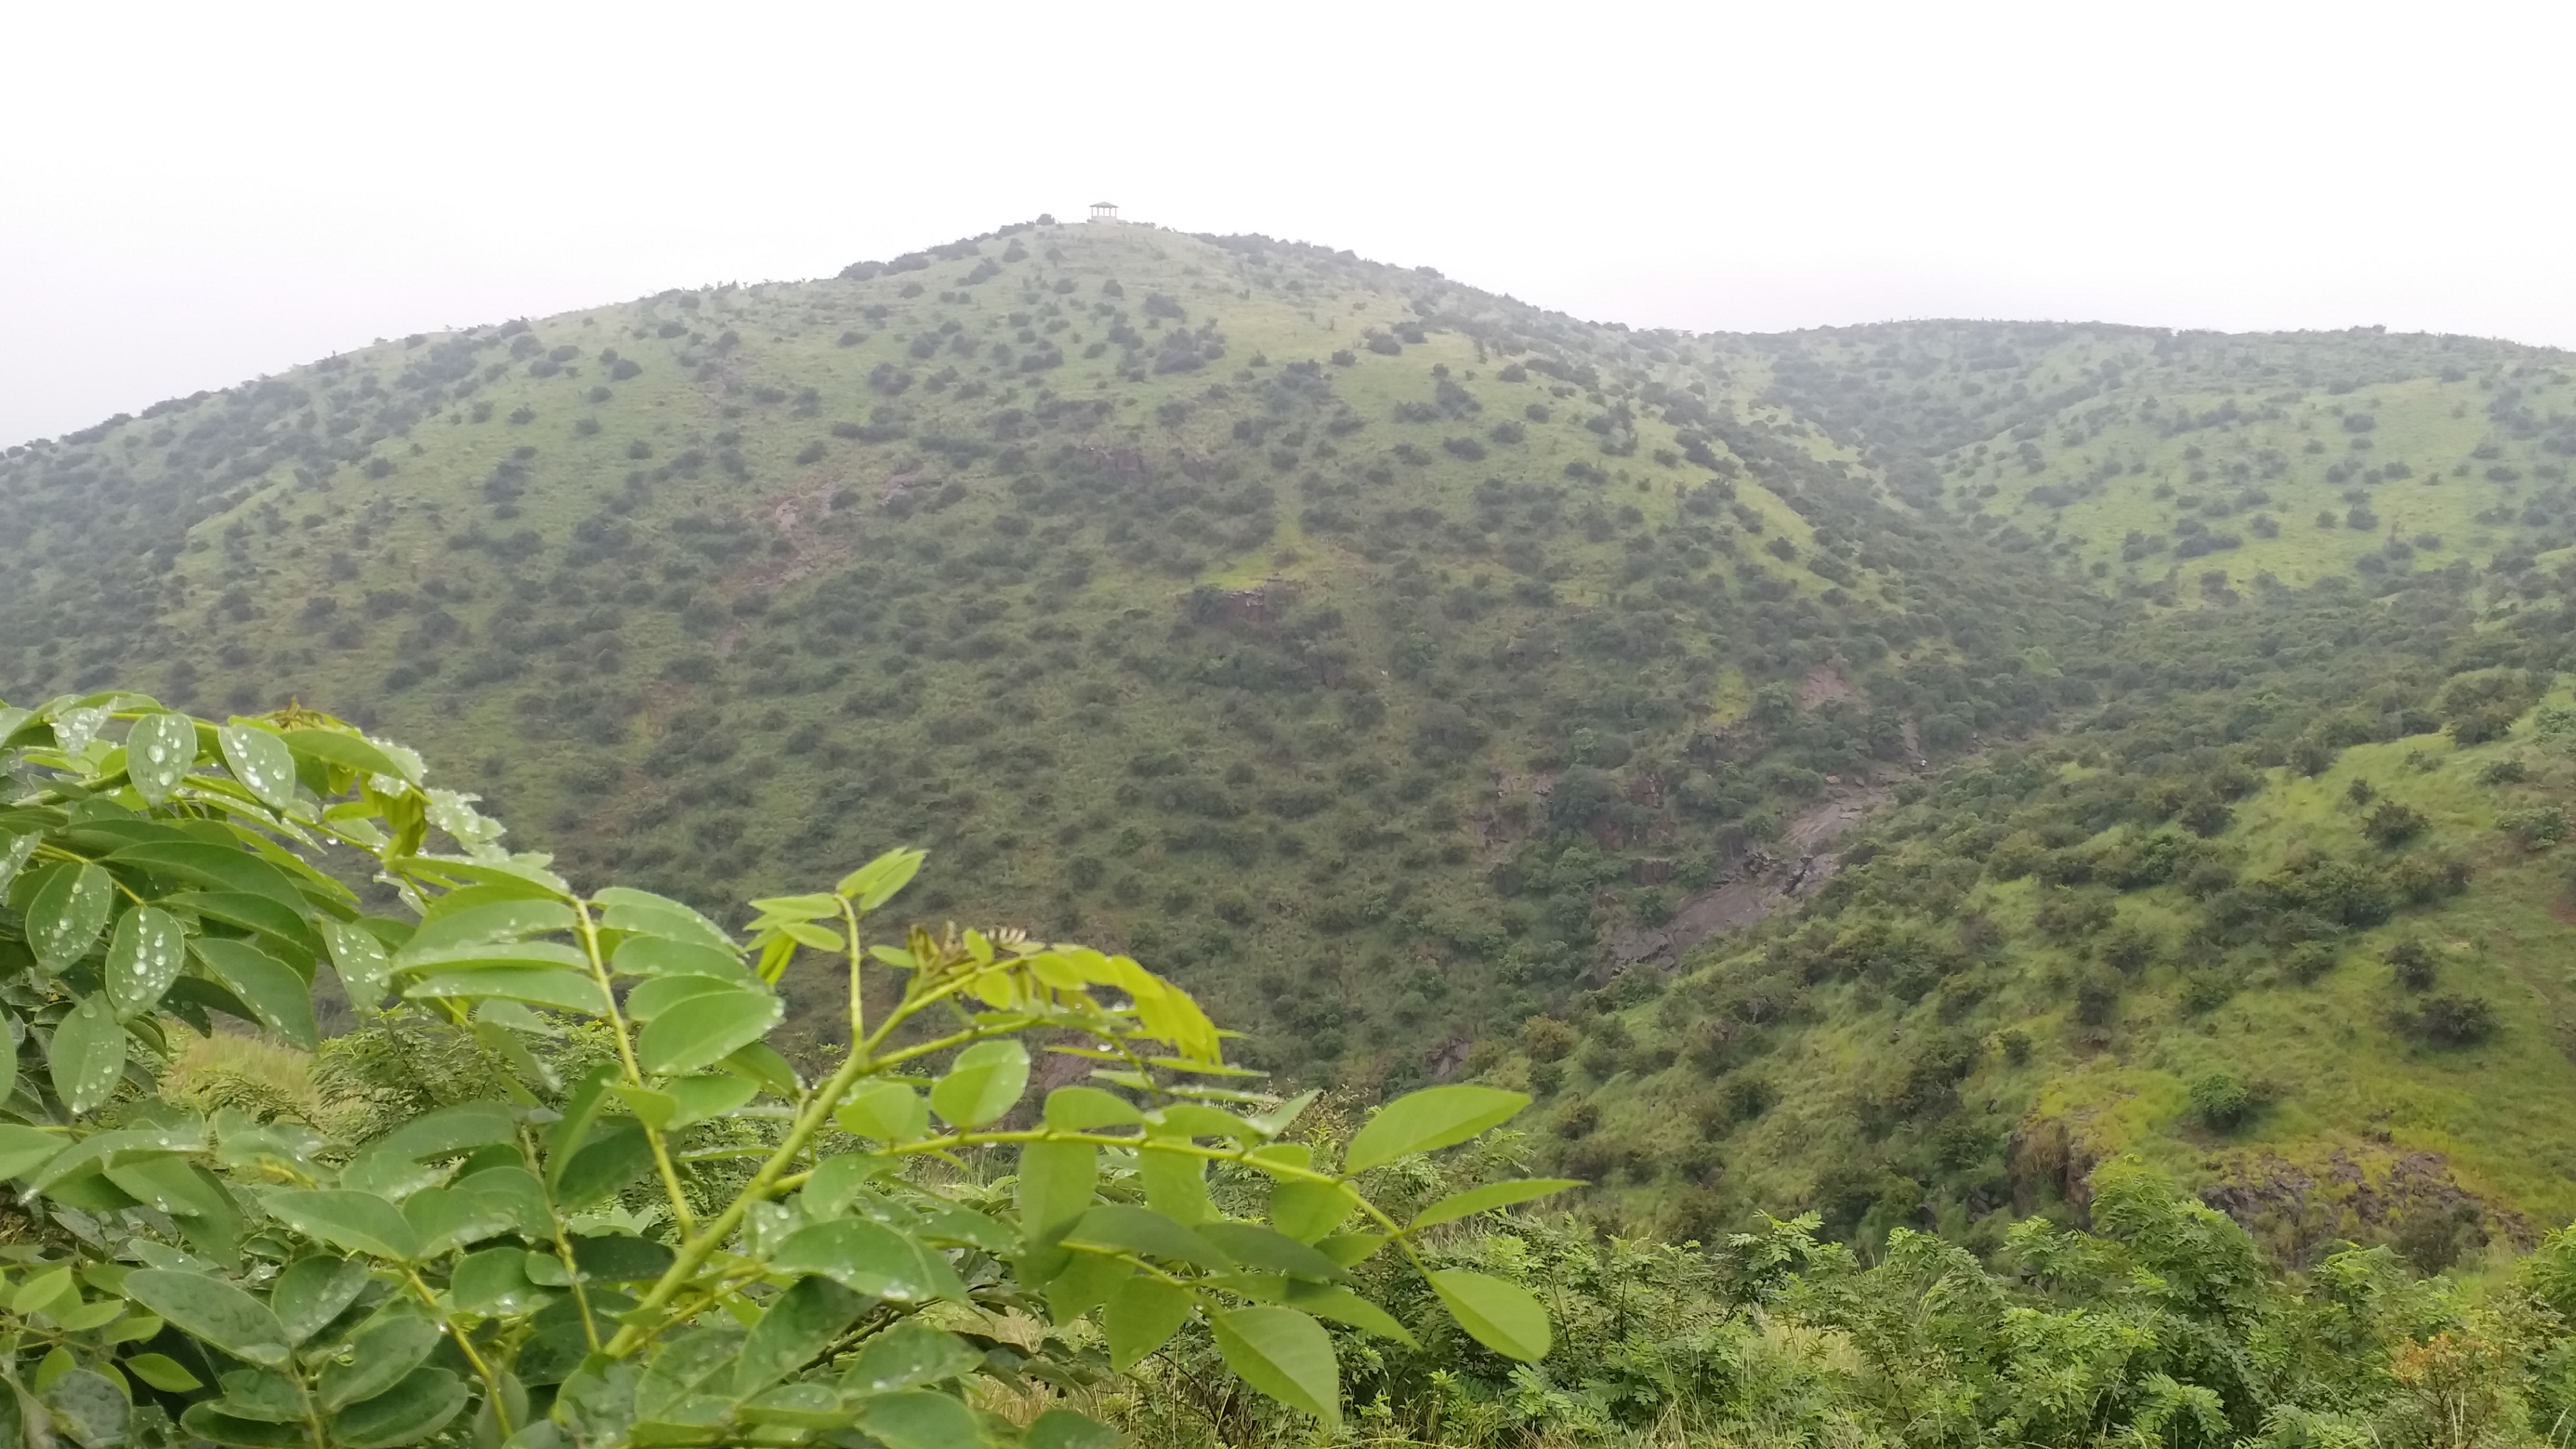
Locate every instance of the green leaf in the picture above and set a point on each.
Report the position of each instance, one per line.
(89, 1408)
(213, 1310)
(653, 1109)
(1306, 1210)
(1424, 1121)
(78, 724)
(889, 1111)
(387, 1176)
(88, 1055)
(837, 1179)
(1285, 1354)
(587, 1098)
(89, 1316)
(985, 1081)
(799, 1324)
(252, 913)
(1175, 1185)
(1504, 1317)
(24, 1149)
(159, 752)
(1087, 1281)
(162, 1372)
(364, 967)
(360, 1222)
(408, 1412)
(220, 866)
(1065, 1429)
(708, 1032)
(821, 938)
(1274, 1252)
(14, 852)
(1056, 1182)
(702, 1099)
(797, 1406)
(1079, 1109)
(694, 1364)
(339, 747)
(492, 956)
(450, 1132)
(144, 955)
(269, 987)
(1141, 1317)
(537, 986)
(762, 1063)
(211, 1424)
(261, 761)
(258, 1394)
(494, 922)
(616, 1258)
(494, 1283)
(387, 1349)
(1325, 1300)
(1189, 1119)
(921, 1419)
(510, 1193)
(1485, 1199)
(1280, 1118)
(910, 1355)
(1120, 1228)
(653, 997)
(646, 914)
(661, 956)
(814, 907)
(869, 1258)
(444, 1218)
(67, 911)
(876, 882)
(614, 1156)
(313, 1291)
(45, 1292)
(173, 1185)
(964, 1227)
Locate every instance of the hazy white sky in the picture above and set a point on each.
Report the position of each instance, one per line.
(192, 195)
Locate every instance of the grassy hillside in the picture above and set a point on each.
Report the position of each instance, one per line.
(2172, 466)
(1395, 662)
(1244, 603)
(2300, 937)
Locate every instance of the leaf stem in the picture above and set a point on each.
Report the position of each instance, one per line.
(588, 930)
(465, 1345)
(696, 1246)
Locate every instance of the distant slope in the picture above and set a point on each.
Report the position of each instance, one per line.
(1243, 603)
(2169, 464)
(2299, 931)
(1392, 661)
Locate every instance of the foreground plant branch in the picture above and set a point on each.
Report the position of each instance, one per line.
(484, 1261)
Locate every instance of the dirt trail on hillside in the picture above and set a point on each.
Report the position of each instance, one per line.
(1756, 885)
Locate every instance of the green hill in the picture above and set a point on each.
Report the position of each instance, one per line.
(1395, 663)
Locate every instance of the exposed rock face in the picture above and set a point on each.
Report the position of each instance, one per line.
(1753, 886)
(2408, 1199)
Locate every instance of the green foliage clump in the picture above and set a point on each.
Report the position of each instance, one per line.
(563, 1189)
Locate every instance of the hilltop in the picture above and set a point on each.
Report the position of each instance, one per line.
(1413, 672)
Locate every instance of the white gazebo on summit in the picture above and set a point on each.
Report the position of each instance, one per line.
(1104, 211)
